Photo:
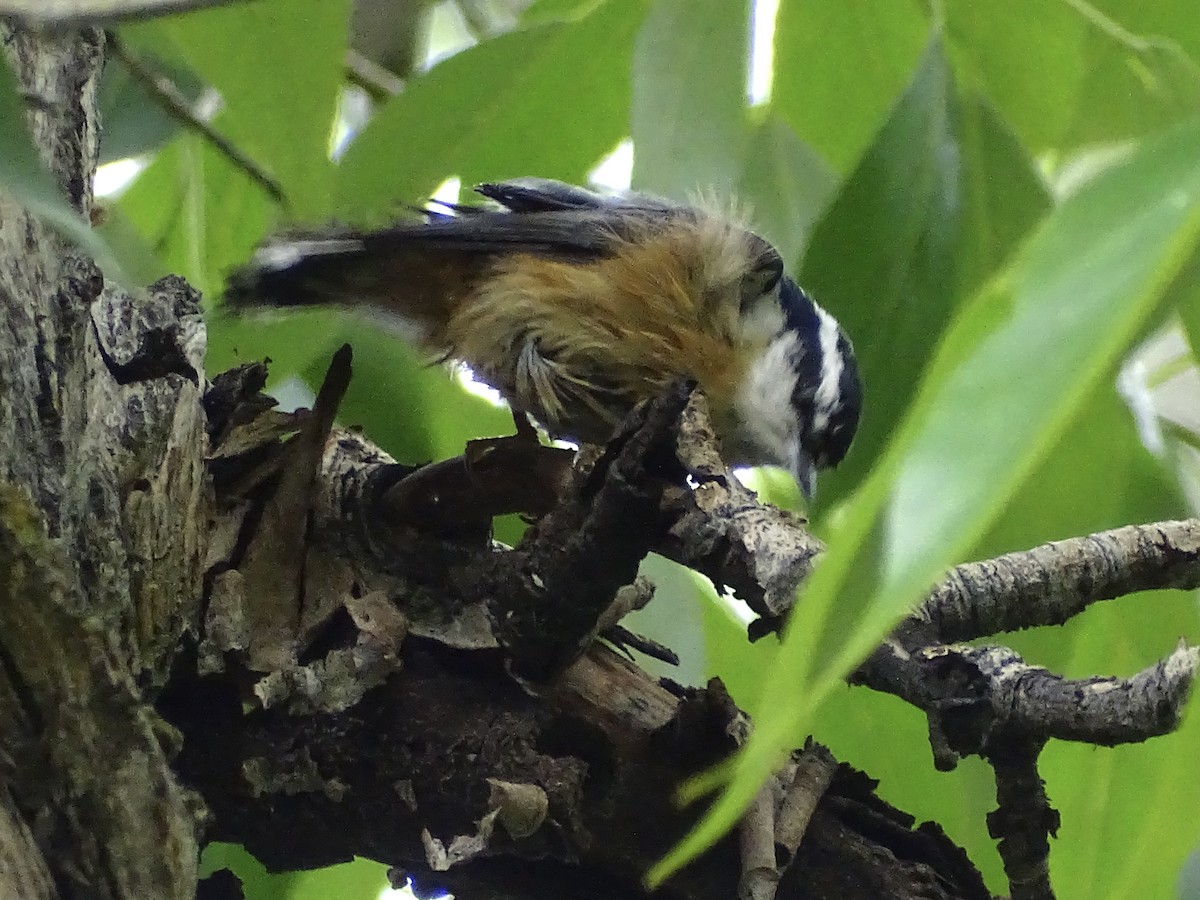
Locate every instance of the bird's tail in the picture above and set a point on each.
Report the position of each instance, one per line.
(392, 272)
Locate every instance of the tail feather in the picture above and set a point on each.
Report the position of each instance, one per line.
(293, 272)
(414, 286)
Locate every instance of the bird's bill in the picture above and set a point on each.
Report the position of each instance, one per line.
(804, 470)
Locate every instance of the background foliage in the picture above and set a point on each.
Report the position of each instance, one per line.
(999, 200)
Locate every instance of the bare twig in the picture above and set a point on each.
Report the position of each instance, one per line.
(756, 838)
(815, 769)
(1049, 584)
(1023, 821)
(71, 13)
(164, 91)
(380, 83)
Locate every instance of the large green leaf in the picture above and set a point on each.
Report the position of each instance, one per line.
(278, 66)
(935, 205)
(549, 101)
(786, 186)
(688, 116)
(840, 66)
(996, 398)
(1141, 81)
(1027, 56)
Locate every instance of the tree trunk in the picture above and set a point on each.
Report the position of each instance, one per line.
(103, 503)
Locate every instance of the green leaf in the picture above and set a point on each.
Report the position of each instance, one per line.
(199, 213)
(839, 67)
(278, 65)
(133, 121)
(675, 619)
(1142, 84)
(1027, 56)
(786, 186)
(1175, 19)
(257, 882)
(938, 201)
(141, 264)
(1074, 299)
(688, 116)
(1065, 309)
(357, 878)
(1128, 811)
(1060, 499)
(549, 101)
(1187, 305)
(201, 217)
(740, 665)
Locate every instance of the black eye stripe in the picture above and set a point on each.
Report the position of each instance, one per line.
(799, 312)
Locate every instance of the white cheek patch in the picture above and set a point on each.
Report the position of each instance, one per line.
(827, 395)
(765, 397)
(760, 322)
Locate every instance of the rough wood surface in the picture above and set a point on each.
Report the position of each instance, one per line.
(102, 490)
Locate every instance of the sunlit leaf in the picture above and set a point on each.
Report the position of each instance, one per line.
(936, 203)
(688, 115)
(1072, 300)
(547, 101)
(840, 66)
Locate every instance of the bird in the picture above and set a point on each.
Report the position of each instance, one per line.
(577, 305)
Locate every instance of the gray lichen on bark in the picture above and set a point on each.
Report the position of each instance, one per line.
(101, 539)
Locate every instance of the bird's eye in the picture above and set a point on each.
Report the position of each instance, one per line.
(762, 279)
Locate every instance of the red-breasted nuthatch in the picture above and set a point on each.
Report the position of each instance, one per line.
(575, 306)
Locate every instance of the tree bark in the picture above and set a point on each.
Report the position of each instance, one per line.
(102, 532)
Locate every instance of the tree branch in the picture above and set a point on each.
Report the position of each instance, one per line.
(1050, 584)
(74, 13)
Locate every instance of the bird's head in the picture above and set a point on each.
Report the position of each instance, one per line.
(800, 397)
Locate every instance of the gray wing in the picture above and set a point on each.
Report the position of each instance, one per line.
(446, 251)
(545, 194)
(539, 216)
